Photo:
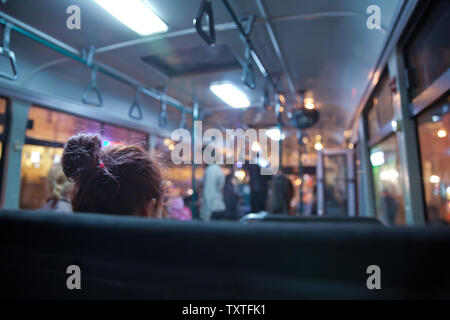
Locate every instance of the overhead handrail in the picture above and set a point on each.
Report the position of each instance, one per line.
(163, 120)
(266, 96)
(93, 88)
(62, 48)
(5, 51)
(248, 76)
(206, 10)
(183, 121)
(93, 85)
(135, 105)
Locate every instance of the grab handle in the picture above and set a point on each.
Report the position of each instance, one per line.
(5, 51)
(93, 88)
(206, 9)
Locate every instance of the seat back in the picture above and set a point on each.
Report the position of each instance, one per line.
(265, 217)
(121, 257)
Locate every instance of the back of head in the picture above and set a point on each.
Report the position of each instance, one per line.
(115, 180)
(281, 194)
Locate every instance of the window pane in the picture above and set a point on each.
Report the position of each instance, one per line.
(387, 188)
(383, 102)
(428, 53)
(54, 126)
(36, 164)
(372, 123)
(2, 115)
(381, 111)
(359, 178)
(433, 128)
(119, 135)
(335, 168)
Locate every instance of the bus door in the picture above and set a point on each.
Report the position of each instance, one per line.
(336, 183)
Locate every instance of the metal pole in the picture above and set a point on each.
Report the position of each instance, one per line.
(276, 45)
(68, 51)
(195, 214)
(300, 170)
(253, 53)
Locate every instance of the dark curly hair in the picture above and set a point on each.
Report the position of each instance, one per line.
(115, 180)
(281, 194)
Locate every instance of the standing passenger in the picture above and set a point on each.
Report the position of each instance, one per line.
(281, 194)
(213, 206)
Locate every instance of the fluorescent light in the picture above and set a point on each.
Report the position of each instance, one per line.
(318, 146)
(442, 133)
(275, 134)
(135, 14)
(391, 174)
(435, 179)
(377, 158)
(309, 104)
(230, 94)
(394, 125)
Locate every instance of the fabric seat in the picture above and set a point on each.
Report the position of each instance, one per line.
(135, 258)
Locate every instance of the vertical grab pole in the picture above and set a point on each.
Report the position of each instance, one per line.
(195, 214)
(300, 171)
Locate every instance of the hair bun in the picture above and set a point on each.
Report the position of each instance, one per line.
(81, 156)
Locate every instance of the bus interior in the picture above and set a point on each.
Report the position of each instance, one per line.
(343, 111)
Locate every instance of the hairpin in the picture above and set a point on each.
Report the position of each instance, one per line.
(101, 165)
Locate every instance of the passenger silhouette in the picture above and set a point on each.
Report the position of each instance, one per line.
(60, 189)
(120, 180)
(232, 198)
(281, 194)
(213, 207)
(389, 207)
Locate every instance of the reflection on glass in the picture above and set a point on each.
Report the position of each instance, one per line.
(386, 178)
(382, 110)
(433, 129)
(335, 170)
(49, 125)
(2, 114)
(428, 53)
(118, 135)
(36, 164)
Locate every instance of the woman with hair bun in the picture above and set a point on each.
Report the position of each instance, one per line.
(121, 180)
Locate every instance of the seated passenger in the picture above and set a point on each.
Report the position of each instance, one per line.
(280, 196)
(60, 189)
(120, 180)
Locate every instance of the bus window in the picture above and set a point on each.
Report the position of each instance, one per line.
(56, 127)
(36, 164)
(434, 140)
(386, 179)
(335, 186)
(381, 111)
(427, 53)
(44, 144)
(3, 122)
(115, 134)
